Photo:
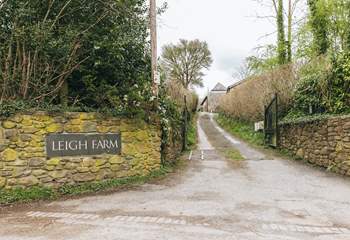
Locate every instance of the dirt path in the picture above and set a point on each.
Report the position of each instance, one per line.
(214, 199)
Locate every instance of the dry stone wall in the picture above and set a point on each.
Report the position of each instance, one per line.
(324, 142)
(24, 162)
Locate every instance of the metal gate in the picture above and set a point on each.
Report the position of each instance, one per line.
(271, 123)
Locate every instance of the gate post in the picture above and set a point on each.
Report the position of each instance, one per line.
(277, 120)
(271, 128)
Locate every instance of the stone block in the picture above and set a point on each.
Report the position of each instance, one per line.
(87, 116)
(103, 129)
(84, 177)
(11, 134)
(116, 160)
(54, 128)
(53, 162)
(9, 124)
(70, 166)
(58, 174)
(3, 147)
(95, 169)
(39, 173)
(36, 162)
(75, 121)
(83, 169)
(20, 172)
(18, 163)
(2, 182)
(100, 162)
(104, 174)
(29, 130)
(9, 155)
(28, 181)
(16, 118)
(39, 125)
(89, 127)
(27, 121)
(72, 128)
(88, 162)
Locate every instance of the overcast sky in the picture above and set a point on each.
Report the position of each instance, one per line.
(229, 26)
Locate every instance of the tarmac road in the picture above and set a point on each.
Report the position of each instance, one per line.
(260, 198)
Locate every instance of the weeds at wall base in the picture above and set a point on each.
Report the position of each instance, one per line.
(229, 125)
(32, 194)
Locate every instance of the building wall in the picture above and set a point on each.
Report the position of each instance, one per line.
(24, 163)
(323, 142)
(214, 100)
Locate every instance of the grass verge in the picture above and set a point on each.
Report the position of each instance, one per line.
(241, 129)
(8, 197)
(192, 137)
(245, 131)
(233, 155)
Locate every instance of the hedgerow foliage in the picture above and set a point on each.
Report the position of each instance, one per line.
(320, 80)
(247, 101)
(78, 53)
(324, 87)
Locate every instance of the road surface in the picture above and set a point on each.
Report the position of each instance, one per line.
(260, 198)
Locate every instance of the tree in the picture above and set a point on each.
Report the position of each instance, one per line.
(91, 53)
(319, 24)
(284, 46)
(348, 28)
(186, 61)
(264, 60)
(281, 43)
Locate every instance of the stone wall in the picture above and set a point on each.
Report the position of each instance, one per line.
(324, 142)
(23, 161)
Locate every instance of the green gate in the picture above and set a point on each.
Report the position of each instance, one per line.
(271, 123)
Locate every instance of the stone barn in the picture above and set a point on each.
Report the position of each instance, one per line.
(211, 102)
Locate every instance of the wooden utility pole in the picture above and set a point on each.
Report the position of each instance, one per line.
(153, 27)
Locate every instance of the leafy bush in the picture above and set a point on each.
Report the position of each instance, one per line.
(311, 87)
(323, 88)
(339, 86)
(81, 53)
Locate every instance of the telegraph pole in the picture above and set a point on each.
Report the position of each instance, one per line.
(153, 27)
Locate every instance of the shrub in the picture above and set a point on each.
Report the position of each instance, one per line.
(81, 53)
(311, 87)
(324, 87)
(247, 100)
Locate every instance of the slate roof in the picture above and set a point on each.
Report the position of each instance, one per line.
(235, 85)
(219, 88)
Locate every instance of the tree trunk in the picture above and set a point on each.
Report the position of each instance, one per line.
(281, 44)
(290, 22)
(319, 25)
(348, 30)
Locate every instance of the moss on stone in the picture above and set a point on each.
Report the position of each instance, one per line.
(53, 162)
(9, 125)
(9, 155)
(54, 128)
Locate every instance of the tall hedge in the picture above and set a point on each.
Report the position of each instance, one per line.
(97, 51)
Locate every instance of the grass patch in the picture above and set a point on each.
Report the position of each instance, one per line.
(43, 193)
(234, 155)
(241, 129)
(192, 137)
